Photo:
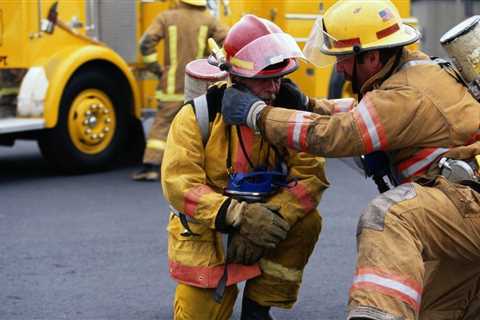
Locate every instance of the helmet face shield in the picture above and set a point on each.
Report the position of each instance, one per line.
(267, 51)
(318, 40)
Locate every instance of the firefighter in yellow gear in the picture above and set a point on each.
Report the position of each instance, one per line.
(419, 241)
(270, 239)
(185, 30)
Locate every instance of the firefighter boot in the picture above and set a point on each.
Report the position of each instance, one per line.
(149, 172)
(253, 311)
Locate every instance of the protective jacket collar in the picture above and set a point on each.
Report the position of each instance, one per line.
(377, 79)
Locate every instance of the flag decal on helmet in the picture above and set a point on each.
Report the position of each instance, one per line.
(385, 14)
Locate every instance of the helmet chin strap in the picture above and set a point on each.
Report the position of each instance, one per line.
(357, 59)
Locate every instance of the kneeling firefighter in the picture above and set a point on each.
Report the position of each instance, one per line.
(242, 210)
(419, 242)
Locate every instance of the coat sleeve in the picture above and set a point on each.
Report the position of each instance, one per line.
(218, 31)
(183, 175)
(382, 120)
(152, 36)
(328, 107)
(302, 196)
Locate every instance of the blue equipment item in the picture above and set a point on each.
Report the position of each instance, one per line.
(255, 186)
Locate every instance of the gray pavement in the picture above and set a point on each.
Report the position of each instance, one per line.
(93, 247)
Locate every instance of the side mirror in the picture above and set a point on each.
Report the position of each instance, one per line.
(48, 24)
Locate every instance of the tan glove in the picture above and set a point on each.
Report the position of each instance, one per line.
(243, 251)
(258, 222)
(154, 68)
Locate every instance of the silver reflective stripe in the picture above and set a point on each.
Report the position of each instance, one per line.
(201, 112)
(389, 284)
(370, 123)
(422, 163)
(374, 216)
(297, 130)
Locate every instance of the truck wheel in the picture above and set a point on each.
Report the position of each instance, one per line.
(338, 87)
(91, 127)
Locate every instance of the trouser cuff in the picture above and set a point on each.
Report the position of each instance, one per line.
(371, 313)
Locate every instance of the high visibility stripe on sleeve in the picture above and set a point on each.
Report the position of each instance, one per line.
(406, 290)
(418, 163)
(172, 34)
(371, 129)
(150, 58)
(303, 197)
(156, 144)
(8, 91)
(192, 198)
(240, 162)
(201, 41)
(162, 96)
(298, 125)
(343, 105)
(278, 271)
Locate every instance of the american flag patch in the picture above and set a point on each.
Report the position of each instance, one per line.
(385, 14)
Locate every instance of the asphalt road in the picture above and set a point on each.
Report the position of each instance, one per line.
(93, 247)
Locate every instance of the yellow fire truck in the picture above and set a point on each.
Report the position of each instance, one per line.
(74, 75)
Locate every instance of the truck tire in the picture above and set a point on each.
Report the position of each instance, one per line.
(92, 124)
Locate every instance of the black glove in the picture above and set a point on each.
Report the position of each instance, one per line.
(243, 251)
(290, 96)
(236, 104)
(155, 68)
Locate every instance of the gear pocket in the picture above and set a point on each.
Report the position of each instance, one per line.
(193, 250)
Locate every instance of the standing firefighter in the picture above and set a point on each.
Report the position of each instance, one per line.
(185, 30)
(229, 184)
(419, 242)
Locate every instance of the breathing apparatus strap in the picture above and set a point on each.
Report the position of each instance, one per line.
(219, 292)
(201, 113)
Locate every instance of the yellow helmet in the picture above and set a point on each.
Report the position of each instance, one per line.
(200, 3)
(351, 26)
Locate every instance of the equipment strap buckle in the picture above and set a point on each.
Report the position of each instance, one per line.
(184, 220)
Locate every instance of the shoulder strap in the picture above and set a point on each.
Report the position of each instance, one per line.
(444, 64)
(206, 107)
(412, 63)
(201, 112)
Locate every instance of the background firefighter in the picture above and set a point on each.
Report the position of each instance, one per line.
(271, 241)
(418, 243)
(185, 30)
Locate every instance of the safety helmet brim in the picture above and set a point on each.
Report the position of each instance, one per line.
(269, 56)
(404, 36)
(357, 26)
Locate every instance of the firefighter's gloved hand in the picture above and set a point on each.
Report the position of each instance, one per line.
(258, 222)
(240, 106)
(290, 96)
(243, 251)
(155, 68)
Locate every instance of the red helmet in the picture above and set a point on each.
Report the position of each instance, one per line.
(258, 48)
